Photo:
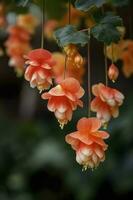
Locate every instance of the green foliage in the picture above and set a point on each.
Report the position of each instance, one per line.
(55, 9)
(119, 2)
(85, 5)
(106, 29)
(70, 35)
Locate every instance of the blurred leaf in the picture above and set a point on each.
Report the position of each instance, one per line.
(106, 29)
(85, 5)
(70, 35)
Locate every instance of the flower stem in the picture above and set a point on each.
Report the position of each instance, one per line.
(89, 78)
(112, 48)
(43, 22)
(69, 12)
(65, 67)
(106, 65)
(69, 22)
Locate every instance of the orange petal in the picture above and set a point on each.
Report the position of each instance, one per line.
(45, 95)
(70, 84)
(81, 137)
(88, 124)
(101, 134)
(95, 90)
(72, 141)
(39, 55)
(57, 91)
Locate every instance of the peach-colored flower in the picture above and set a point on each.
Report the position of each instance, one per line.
(19, 33)
(106, 102)
(113, 72)
(17, 45)
(127, 58)
(64, 99)
(71, 69)
(39, 70)
(28, 22)
(88, 142)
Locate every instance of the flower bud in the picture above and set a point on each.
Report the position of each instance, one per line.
(113, 73)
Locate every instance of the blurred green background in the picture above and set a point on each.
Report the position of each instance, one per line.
(35, 161)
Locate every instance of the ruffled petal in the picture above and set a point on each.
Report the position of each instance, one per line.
(71, 85)
(39, 55)
(57, 91)
(88, 124)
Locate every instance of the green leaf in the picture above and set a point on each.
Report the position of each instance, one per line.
(106, 30)
(85, 5)
(70, 35)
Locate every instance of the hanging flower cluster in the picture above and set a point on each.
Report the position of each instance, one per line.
(58, 76)
(18, 42)
(62, 73)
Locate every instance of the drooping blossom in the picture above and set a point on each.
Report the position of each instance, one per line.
(17, 45)
(39, 69)
(71, 69)
(113, 72)
(106, 102)
(88, 142)
(64, 99)
(28, 22)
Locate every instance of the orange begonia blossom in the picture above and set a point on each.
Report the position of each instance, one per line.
(127, 58)
(88, 142)
(18, 33)
(64, 99)
(106, 102)
(17, 45)
(39, 69)
(71, 69)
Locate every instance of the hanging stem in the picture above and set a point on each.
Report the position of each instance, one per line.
(89, 78)
(130, 19)
(69, 12)
(69, 22)
(43, 21)
(106, 65)
(112, 48)
(65, 67)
